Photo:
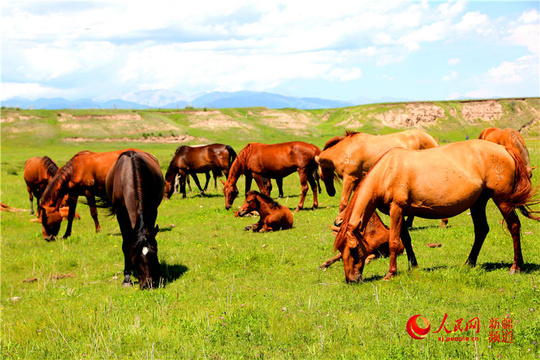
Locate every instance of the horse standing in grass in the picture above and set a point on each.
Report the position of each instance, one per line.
(134, 188)
(437, 183)
(37, 173)
(273, 216)
(190, 160)
(84, 174)
(274, 161)
(511, 138)
(351, 156)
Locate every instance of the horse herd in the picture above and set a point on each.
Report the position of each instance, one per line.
(401, 174)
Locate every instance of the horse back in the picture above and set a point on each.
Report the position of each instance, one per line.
(283, 158)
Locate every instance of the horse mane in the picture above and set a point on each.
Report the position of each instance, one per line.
(57, 187)
(232, 154)
(179, 149)
(49, 165)
(265, 198)
(341, 235)
(336, 139)
(237, 167)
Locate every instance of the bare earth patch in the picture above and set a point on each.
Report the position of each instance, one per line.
(149, 139)
(17, 117)
(487, 110)
(414, 115)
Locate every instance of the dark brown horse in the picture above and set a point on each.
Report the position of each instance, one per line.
(274, 161)
(37, 173)
(511, 138)
(84, 174)
(273, 216)
(190, 160)
(467, 174)
(134, 190)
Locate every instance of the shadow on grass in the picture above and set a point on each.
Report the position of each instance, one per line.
(417, 228)
(172, 272)
(492, 266)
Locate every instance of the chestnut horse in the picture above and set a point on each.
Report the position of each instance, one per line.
(274, 216)
(84, 174)
(376, 235)
(508, 137)
(437, 183)
(37, 173)
(351, 156)
(190, 160)
(134, 188)
(274, 161)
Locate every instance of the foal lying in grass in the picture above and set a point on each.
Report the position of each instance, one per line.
(274, 216)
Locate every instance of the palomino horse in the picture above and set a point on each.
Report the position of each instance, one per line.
(351, 156)
(274, 216)
(84, 174)
(134, 190)
(37, 173)
(274, 161)
(437, 183)
(190, 160)
(376, 243)
(508, 137)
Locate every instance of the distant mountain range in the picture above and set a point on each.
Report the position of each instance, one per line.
(162, 99)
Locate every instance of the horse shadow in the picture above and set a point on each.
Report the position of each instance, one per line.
(492, 266)
(171, 272)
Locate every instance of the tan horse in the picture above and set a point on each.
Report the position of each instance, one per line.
(351, 156)
(437, 183)
(509, 137)
(274, 216)
(84, 174)
(37, 173)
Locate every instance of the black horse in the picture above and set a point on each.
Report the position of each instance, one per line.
(135, 189)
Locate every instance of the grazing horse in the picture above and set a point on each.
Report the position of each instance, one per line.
(37, 173)
(509, 137)
(351, 156)
(437, 183)
(134, 188)
(274, 161)
(274, 216)
(376, 243)
(190, 160)
(84, 174)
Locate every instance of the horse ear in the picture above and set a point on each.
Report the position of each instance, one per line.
(317, 159)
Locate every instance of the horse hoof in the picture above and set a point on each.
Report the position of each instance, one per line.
(127, 284)
(388, 277)
(514, 271)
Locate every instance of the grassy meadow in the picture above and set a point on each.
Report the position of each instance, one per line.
(231, 294)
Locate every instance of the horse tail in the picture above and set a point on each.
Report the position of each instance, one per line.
(523, 194)
(518, 143)
(232, 154)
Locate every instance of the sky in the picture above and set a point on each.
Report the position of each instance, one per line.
(342, 50)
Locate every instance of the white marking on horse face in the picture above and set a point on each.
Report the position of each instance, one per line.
(144, 250)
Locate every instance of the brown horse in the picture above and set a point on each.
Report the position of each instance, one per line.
(190, 160)
(376, 242)
(274, 216)
(134, 188)
(351, 156)
(37, 173)
(274, 161)
(510, 138)
(437, 183)
(84, 174)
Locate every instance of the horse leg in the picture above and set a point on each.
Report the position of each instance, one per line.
(325, 265)
(196, 179)
(313, 185)
(214, 175)
(127, 237)
(72, 205)
(31, 196)
(207, 180)
(481, 228)
(93, 210)
(279, 183)
(396, 223)
(349, 184)
(304, 183)
(514, 226)
(406, 240)
(249, 178)
(408, 222)
(262, 185)
(188, 183)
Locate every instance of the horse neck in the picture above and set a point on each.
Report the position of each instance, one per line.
(172, 170)
(265, 208)
(58, 186)
(237, 169)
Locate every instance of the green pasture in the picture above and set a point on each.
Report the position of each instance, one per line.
(231, 294)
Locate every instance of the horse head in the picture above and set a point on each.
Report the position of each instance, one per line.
(327, 174)
(51, 219)
(231, 192)
(354, 252)
(251, 204)
(145, 258)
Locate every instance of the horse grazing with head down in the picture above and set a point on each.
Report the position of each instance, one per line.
(274, 161)
(351, 156)
(134, 188)
(190, 160)
(274, 216)
(510, 138)
(38, 171)
(467, 175)
(84, 174)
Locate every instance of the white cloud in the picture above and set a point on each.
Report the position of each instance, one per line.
(29, 91)
(530, 16)
(454, 61)
(474, 21)
(452, 76)
(453, 96)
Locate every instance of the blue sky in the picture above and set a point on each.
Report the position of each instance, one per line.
(343, 50)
